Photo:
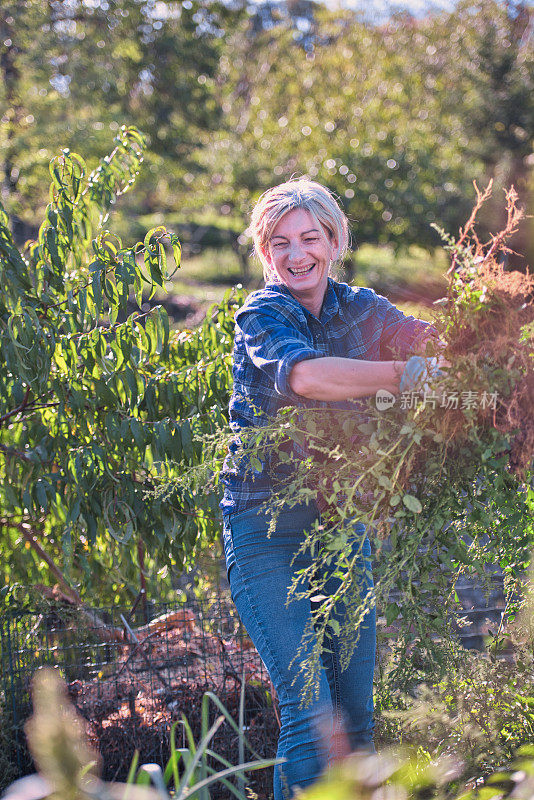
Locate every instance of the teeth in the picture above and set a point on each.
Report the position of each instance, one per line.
(302, 270)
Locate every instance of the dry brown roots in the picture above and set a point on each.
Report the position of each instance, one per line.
(492, 334)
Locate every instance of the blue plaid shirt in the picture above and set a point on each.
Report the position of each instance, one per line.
(273, 332)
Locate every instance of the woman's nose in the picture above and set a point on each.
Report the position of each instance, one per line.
(296, 251)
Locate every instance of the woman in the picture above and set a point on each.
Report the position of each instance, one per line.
(303, 340)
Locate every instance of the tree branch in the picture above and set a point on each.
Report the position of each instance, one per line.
(106, 632)
(18, 409)
(11, 452)
(28, 535)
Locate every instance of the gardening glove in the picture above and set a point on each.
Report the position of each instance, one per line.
(418, 372)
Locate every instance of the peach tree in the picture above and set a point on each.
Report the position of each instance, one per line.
(98, 401)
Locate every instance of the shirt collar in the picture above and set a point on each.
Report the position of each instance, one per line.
(330, 303)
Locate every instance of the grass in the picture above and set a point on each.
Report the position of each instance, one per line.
(414, 269)
(218, 266)
(417, 310)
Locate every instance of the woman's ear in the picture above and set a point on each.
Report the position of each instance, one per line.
(266, 255)
(269, 273)
(336, 250)
(332, 242)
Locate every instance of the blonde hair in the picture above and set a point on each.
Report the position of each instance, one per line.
(297, 193)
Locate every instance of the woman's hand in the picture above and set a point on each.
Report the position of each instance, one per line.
(419, 373)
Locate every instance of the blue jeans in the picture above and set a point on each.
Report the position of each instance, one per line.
(260, 571)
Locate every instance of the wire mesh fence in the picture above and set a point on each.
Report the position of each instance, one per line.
(131, 679)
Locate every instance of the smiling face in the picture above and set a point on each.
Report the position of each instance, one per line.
(300, 252)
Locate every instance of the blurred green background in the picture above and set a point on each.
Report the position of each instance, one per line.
(396, 113)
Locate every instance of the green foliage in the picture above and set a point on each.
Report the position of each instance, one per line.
(69, 769)
(478, 715)
(74, 72)
(96, 403)
(397, 119)
(198, 772)
(458, 511)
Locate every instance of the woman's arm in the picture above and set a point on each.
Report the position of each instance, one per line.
(332, 378)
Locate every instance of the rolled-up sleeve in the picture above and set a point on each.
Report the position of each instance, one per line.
(401, 334)
(274, 344)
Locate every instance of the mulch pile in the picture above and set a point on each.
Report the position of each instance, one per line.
(152, 683)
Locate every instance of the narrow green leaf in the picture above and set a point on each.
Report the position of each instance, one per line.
(187, 441)
(97, 291)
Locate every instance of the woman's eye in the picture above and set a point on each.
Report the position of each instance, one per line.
(310, 241)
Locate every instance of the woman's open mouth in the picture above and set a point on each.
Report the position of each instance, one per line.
(299, 271)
